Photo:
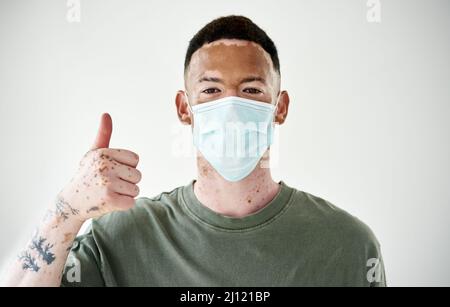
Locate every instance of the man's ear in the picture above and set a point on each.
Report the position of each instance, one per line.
(183, 112)
(283, 108)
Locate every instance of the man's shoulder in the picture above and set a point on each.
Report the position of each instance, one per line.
(324, 216)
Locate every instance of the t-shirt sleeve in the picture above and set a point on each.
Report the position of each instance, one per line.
(82, 268)
(376, 274)
(363, 258)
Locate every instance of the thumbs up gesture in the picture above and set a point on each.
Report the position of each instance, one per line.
(105, 182)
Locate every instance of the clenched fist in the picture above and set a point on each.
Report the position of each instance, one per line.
(105, 182)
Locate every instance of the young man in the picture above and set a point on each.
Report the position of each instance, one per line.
(233, 225)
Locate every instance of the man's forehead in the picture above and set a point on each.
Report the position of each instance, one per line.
(227, 56)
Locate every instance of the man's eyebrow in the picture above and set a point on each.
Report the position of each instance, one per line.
(245, 80)
(253, 79)
(210, 79)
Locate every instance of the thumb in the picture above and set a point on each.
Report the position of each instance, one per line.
(104, 132)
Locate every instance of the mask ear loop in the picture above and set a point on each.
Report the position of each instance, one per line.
(276, 108)
(190, 110)
(265, 164)
(189, 105)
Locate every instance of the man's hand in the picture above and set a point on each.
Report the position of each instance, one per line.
(105, 182)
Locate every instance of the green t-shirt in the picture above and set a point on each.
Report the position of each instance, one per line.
(173, 240)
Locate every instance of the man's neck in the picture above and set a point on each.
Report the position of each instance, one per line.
(234, 199)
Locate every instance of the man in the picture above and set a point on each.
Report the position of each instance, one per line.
(233, 225)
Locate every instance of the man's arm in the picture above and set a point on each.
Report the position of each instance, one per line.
(105, 182)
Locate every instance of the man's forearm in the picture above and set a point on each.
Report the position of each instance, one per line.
(41, 262)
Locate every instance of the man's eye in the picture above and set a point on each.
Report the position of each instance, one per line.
(252, 90)
(211, 91)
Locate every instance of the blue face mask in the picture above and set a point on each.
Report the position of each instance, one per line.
(233, 133)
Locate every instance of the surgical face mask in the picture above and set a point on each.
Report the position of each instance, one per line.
(233, 133)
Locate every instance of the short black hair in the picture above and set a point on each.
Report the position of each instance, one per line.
(232, 27)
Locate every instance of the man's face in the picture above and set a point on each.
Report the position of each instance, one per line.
(231, 68)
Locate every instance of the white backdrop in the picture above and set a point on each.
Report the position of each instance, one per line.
(368, 127)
